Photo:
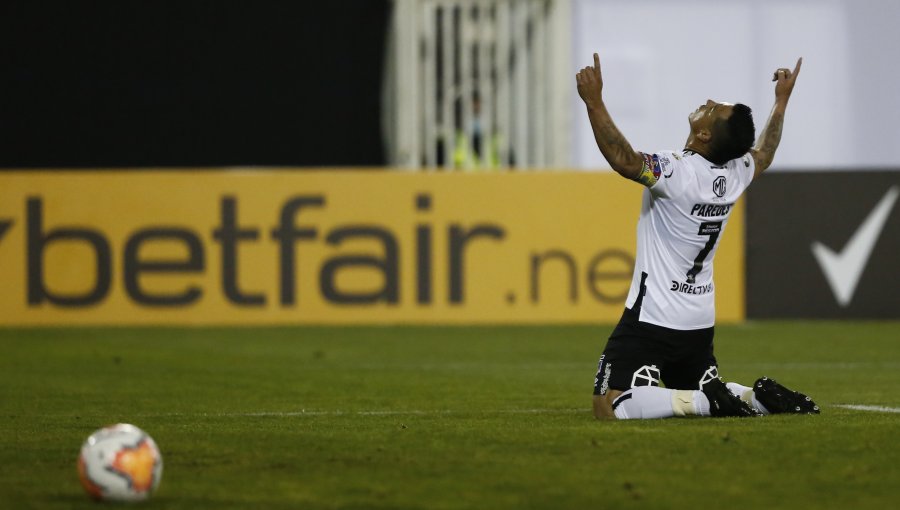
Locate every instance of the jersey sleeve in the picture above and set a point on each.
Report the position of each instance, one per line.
(746, 168)
(664, 173)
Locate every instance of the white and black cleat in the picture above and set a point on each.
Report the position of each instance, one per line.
(777, 399)
(723, 402)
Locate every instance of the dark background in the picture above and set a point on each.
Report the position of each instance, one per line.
(786, 213)
(191, 83)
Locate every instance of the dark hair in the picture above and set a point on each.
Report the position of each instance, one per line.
(732, 137)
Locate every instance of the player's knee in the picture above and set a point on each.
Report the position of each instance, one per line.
(603, 409)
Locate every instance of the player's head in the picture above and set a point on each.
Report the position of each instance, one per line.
(722, 131)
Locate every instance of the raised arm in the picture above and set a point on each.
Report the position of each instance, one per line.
(612, 144)
(768, 141)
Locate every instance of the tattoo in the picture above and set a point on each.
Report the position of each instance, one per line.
(613, 142)
(770, 140)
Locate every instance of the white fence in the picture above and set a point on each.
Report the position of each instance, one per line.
(478, 84)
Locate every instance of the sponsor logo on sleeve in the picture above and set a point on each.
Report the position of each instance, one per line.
(666, 165)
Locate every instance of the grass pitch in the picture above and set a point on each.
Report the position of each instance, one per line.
(441, 417)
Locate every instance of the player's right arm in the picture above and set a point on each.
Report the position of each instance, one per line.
(615, 148)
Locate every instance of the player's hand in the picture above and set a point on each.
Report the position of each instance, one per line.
(590, 84)
(784, 80)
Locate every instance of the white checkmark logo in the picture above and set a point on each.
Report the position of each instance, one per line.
(843, 269)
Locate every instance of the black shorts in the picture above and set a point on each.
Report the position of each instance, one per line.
(642, 354)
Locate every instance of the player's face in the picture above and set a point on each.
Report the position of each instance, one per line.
(708, 113)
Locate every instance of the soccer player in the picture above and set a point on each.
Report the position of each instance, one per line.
(666, 331)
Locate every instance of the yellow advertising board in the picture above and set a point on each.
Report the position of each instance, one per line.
(325, 247)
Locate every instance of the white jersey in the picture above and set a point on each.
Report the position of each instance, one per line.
(683, 214)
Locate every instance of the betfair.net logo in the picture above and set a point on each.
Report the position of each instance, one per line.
(606, 274)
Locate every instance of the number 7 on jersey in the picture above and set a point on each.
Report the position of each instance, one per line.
(711, 229)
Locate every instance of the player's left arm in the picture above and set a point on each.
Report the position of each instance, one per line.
(768, 141)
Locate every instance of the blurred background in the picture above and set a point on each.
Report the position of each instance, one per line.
(427, 83)
(478, 86)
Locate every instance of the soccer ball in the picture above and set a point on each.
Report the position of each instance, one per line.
(120, 463)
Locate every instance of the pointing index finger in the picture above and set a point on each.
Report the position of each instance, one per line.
(797, 67)
(596, 61)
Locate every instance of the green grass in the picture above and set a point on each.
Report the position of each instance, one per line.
(441, 417)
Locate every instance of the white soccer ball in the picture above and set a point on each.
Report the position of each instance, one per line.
(120, 463)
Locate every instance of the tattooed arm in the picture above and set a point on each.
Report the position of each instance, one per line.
(764, 152)
(615, 148)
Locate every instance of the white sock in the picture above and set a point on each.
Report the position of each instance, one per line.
(647, 402)
(746, 394)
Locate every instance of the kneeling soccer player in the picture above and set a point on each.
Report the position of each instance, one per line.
(666, 331)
